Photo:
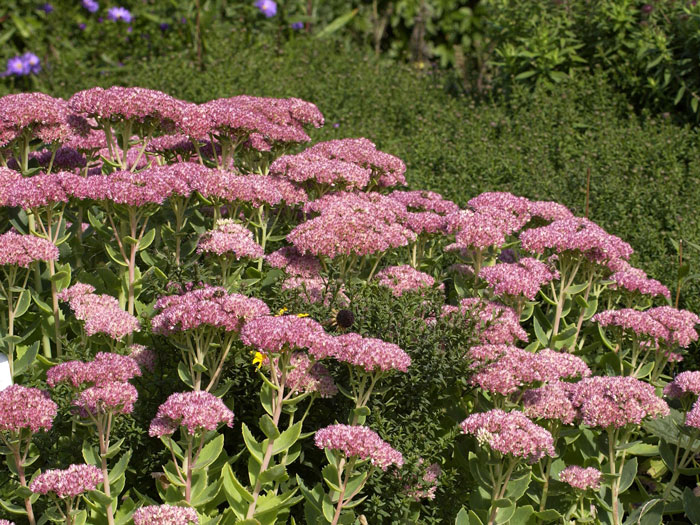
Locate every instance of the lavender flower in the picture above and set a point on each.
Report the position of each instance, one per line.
(16, 66)
(31, 62)
(297, 25)
(267, 7)
(91, 5)
(119, 14)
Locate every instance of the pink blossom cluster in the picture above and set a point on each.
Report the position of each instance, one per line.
(692, 418)
(102, 313)
(37, 114)
(373, 355)
(426, 486)
(307, 165)
(128, 103)
(165, 515)
(661, 324)
(24, 250)
(230, 238)
(5, 522)
(576, 234)
(550, 401)
(288, 332)
(145, 357)
(684, 383)
(26, 408)
(109, 397)
(259, 190)
(307, 376)
(521, 207)
(635, 280)
(387, 170)
(510, 433)
(315, 290)
(359, 442)
(37, 191)
(268, 119)
(208, 306)
(516, 368)
(494, 323)
(616, 401)
(401, 279)
(352, 223)
(292, 262)
(106, 368)
(482, 228)
(197, 412)
(70, 482)
(581, 478)
(524, 277)
(427, 211)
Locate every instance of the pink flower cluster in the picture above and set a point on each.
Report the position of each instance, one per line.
(515, 368)
(482, 228)
(197, 412)
(307, 165)
(145, 357)
(5, 522)
(230, 238)
(401, 279)
(292, 262)
(288, 332)
(427, 211)
(165, 515)
(265, 119)
(493, 322)
(606, 402)
(373, 355)
(576, 234)
(102, 313)
(581, 478)
(635, 280)
(520, 206)
(128, 103)
(40, 115)
(26, 408)
(207, 306)
(684, 383)
(524, 277)
(426, 486)
(510, 433)
(352, 223)
(106, 368)
(307, 376)
(360, 442)
(109, 397)
(37, 191)
(24, 250)
(661, 324)
(68, 483)
(550, 401)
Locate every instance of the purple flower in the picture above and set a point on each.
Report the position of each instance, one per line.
(267, 7)
(91, 5)
(297, 25)
(46, 8)
(16, 66)
(82, 26)
(31, 62)
(164, 26)
(119, 14)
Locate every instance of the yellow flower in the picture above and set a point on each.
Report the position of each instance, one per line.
(258, 359)
(302, 315)
(282, 311)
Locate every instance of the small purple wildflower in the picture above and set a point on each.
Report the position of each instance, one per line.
(267, 7)
(16, 66)
(32, 63)
(119, 14)
(336, 125)
(82, 26)
(164, 26)
(46, 8)
(297, 25)
(91, 5)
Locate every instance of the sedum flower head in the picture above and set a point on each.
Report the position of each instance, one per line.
(360, 442)
(510, 433)
(373, 355)
(42, 116)
(581, 478)
(208, 306)
(26, 408)
(626, 277)
(230, 238)
(195, 411)
(108, 398)
(404, 278)
(24, 250)
(685, 383)
(165, 515)
(551, 401)
(493, 322)
(290, 332)
(607, 402)
(145, 357)
(307, 376)
(104, 369)
(524, 277)
(70, 482)
(294, 263)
